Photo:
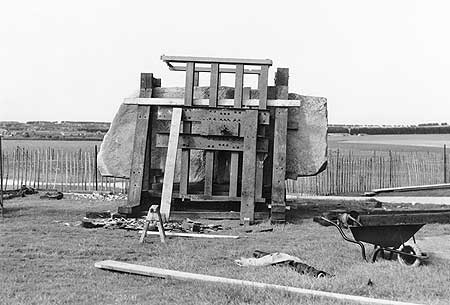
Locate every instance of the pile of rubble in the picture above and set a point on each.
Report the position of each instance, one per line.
(99, 196)
(24, 190)
(115, 221)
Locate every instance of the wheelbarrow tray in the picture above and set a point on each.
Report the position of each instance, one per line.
(386, 235)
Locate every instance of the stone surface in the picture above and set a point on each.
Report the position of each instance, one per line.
(114, 157)
(306, 145)
(306, 151)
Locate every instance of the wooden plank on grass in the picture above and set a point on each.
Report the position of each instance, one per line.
(169, 170)
(194, 235)
(187, 276)
(409, 188)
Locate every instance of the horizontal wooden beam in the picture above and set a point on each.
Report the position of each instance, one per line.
(231, 215)
(207, 69)
(235, 115)
(407, 218)
(209, 60)
(225, 143)
(187, 276)
(204, 198)
(205, 102)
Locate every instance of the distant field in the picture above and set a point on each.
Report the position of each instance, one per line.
(423, 142)
(10, 145)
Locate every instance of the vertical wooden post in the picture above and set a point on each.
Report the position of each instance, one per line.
(185, 153)
(140, 162)
(196, 79)
(262, 86)
(249, 128)
(234, 161)
(213, 97)
(239, 85)
(278, 204)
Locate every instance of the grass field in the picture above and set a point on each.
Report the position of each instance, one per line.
(424, 142)
(396, 143)
(44, 261)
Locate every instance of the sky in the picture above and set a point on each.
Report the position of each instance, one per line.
(376, 62)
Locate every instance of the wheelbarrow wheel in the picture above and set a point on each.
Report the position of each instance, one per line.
(378, 253)
(407, 260)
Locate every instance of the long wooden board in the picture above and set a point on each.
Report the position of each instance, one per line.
(205, 102)
(169, 171)
(194, 235)
(248, 195)
(187, 276)
(209, 60)
(138, 156)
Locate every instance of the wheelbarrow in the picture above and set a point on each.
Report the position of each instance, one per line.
(387, 238)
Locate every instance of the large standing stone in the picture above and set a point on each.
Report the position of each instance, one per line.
(306, 143)
(306, 147)
(114, 157)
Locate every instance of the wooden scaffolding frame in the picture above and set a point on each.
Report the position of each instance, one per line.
(253, 131)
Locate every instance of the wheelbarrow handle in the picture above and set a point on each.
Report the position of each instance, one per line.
(345, 237)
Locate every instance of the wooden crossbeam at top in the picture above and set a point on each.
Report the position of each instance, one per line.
(209, 60)
(207, 69)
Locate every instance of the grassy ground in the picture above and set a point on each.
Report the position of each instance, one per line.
(44, 261)
(384, 143)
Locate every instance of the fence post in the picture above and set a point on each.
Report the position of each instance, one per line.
(1, 175)
(95, 167)
(390, 168)
(445, 163)
(338, 177)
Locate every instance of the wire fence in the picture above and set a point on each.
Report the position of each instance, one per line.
(348, 172)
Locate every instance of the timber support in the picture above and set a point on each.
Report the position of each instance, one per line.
(243, 141)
